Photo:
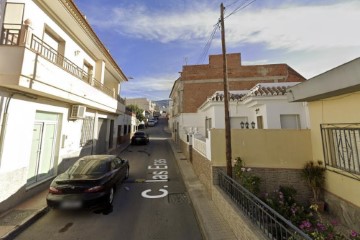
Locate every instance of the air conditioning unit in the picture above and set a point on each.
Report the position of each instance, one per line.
(77, 112)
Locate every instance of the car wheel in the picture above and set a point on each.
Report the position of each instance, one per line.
(111, 195)
(127, 173)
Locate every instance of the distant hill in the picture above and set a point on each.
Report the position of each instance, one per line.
(161, 103)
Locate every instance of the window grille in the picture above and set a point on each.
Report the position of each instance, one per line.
(341, 146)
(87, 131)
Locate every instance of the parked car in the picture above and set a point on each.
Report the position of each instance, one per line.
(140, 138)
(90, 183)
(151, 123)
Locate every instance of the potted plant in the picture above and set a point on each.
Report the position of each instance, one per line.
(314, 174)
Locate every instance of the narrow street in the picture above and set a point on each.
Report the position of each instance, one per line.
(151, 204)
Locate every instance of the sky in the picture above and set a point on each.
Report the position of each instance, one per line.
(152, 39)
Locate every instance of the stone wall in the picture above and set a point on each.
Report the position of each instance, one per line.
(243, 228)
(345, 212)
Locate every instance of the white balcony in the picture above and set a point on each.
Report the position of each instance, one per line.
(38, 69)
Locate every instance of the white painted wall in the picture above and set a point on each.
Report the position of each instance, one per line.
(40, 18)
(270, 108)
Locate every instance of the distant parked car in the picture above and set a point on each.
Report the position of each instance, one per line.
(90, 183)
(140, 138)
(151, 123)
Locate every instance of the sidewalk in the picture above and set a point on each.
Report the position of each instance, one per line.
(212, 224)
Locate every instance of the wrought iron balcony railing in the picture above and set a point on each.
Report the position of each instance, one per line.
(50, 54)
(271, 223)
(11, 34)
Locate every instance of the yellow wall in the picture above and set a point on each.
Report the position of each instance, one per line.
(342, 109)
(266, 148)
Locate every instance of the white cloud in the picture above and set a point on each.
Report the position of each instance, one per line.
(160, 26)
(298, 28)
(291, 28)
(149, 86)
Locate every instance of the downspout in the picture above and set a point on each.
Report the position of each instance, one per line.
(3, 126)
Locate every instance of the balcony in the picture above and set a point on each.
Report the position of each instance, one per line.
(33, 66)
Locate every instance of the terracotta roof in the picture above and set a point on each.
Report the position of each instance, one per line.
(263, 89)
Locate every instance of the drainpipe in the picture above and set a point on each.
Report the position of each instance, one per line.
(3, 126)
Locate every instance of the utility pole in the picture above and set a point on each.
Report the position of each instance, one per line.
(226, 97)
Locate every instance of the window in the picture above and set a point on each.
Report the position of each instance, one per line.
(13, 18)
(87, 131)
(290, 121)
(125, 129)
(341, 146)
(88, 72)
(53, 47)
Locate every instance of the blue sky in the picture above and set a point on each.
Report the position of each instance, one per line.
(152, 39)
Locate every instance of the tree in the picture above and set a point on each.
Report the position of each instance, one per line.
(138, 111)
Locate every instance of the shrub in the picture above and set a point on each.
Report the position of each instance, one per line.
(247, 180)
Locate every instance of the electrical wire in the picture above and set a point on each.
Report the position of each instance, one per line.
(208, 44)
(241, 7)
(231, 4)
(217, 26)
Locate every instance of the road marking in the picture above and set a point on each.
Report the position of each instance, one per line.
(153, 180)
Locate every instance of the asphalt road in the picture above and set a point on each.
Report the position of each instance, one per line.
(151, 205)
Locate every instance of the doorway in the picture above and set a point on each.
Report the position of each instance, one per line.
(41, 164)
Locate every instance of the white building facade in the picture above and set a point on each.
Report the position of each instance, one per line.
(59, 94)
(265, 106)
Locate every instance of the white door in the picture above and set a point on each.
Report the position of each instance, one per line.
(41, 164)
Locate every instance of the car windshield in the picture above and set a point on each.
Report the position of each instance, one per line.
(88, 167)
(139, 134)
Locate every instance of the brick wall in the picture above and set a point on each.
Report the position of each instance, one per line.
(272, 179)
(201, 81)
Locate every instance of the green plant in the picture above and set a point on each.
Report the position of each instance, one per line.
(283, 202)
(250, 181)
(314, 174)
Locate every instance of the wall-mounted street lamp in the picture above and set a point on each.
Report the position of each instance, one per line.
(247, 125)
(242, 124)
(257, 111)
(253, 124)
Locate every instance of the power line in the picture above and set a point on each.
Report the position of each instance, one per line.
(208, 44)
(217, 26)
(231, 4)
(241, 7)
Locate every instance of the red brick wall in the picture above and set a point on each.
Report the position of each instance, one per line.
(201, 81)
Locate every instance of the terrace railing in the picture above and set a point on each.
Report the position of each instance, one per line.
(50, 54)
(11, 34)
(271, 223)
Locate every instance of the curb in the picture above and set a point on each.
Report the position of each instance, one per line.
(24, 224)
